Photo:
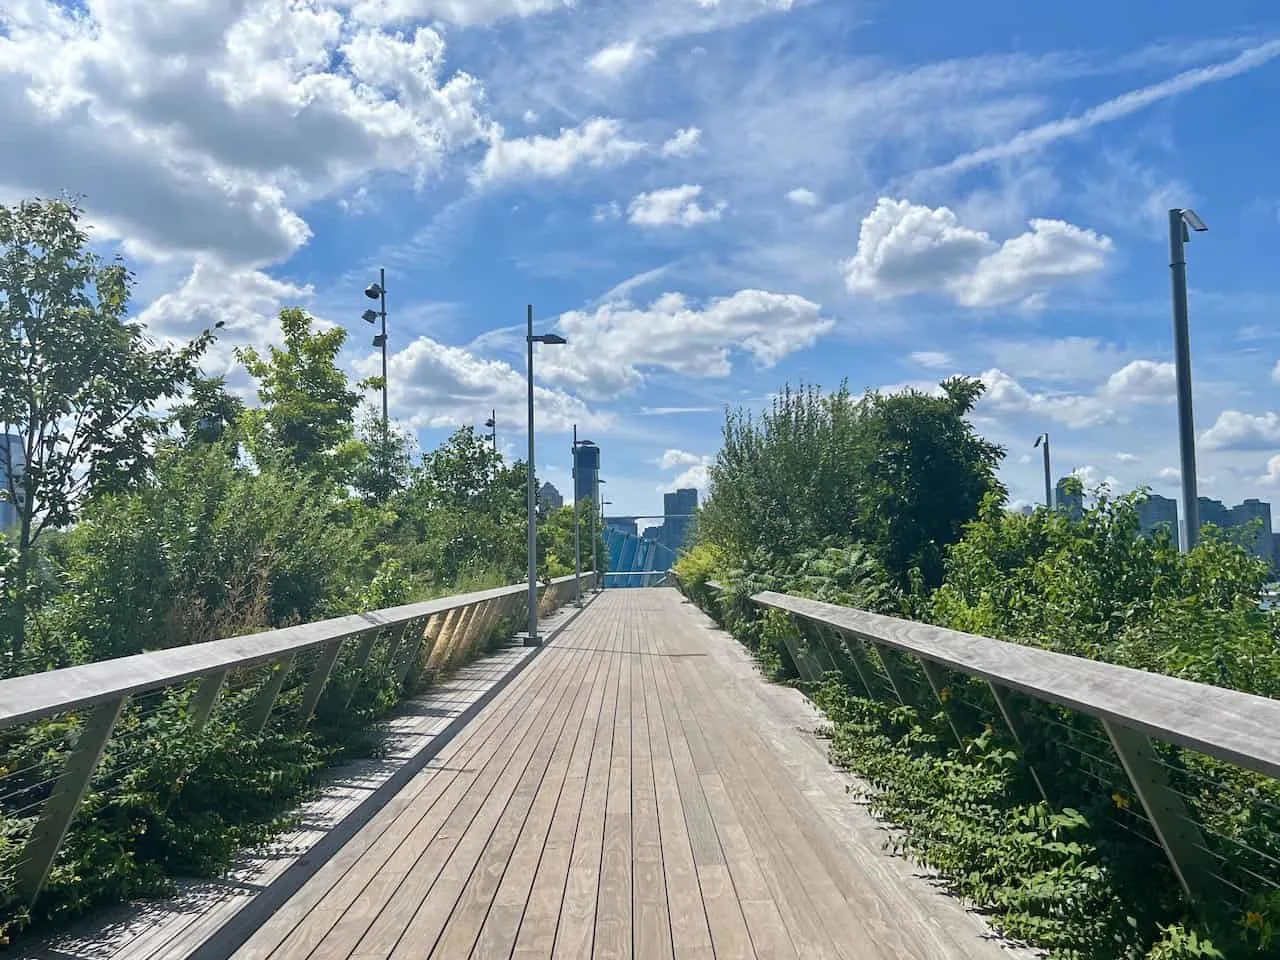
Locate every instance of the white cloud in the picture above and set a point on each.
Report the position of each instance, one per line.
(616, 59)
(934, 359)
(435, 385)
(604, 212)
(673, 206)
(1091, 478)
(611, 347)
(1272, 476)
(680, 458)
(1170, 473)
(802, 197)
(906, 248)
(1114, 109)
(464, 13)
(1126, 457)
(1235, 430)
(201, 132)
(698, 476)
(1142, 381)
(1004, 394)
(245, 302)
(683, 143)
(597, 142)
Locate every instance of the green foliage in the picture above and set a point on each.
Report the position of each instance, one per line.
(900, 474)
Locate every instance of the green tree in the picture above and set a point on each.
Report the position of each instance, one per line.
(209, 411)
(308, 406)
(78, 380)
(388, 461)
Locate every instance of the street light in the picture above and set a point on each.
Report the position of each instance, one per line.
(1180, 218)
(551, 339)
(1048, 483)
(577, 537)
(492, 424)
(595, 558)
(378, 291)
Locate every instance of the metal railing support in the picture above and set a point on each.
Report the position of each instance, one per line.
(857, 653)
(260, 708)
(938, 684)
(60, 808)
(440, 650)
(1178, 834)
(318, 680)
(409, 667)
(902, 686)
(206, 696)
(1013, 723)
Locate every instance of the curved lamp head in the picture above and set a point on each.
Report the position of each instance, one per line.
(373, 291)
(369, 316)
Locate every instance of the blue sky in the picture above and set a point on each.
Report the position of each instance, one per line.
(710, 199)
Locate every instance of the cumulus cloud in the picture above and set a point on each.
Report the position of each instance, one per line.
(611, 348)
(683, 143)
(1235, 430)
(597, 143)
(201, 132)
(1271, 477)
(934, 359)
(695, 472)
(432, 384)
(1004, 394)
(673, 458)
(802, 197)
(1126, 457)
(674, 206)
(464, 13)
(906, 248)
(616, 59)
(1142, 381)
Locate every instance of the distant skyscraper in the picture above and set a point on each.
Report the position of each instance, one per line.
(12, 460)
(678, 509)
(1068, 497)
(1259, 541)
(1215, 512)
(586, 470)
(549, 498)
(1158, 512)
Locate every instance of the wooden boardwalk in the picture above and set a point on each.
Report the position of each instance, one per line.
(638, 791)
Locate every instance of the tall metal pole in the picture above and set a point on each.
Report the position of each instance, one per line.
(493, 432)
(386, 462)
(1182, 357)
(595, 557)
(531, 640)
(1048, 476)
(577, 545)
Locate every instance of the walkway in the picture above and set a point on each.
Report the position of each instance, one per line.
(638, 791)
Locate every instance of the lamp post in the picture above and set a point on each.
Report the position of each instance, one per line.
(595, 558)
(1180, 218)
(492, 424)
(577, 536)
(378, 291)
(531, 638)
(1048, 481)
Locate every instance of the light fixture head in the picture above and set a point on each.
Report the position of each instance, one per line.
(1192, 219)
(369, 316)
(380, 340)
(552, 339)
(373, 291)
(489, 423)
(1042, 436)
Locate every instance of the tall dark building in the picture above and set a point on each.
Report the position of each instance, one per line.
(1260, 543)
(1215, 512)
(1158, 512)
(678, 509)
(12, 461)
(586, 471)
(1069, 498)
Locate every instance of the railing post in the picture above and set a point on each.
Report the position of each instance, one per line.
(937, 683)
(206, 695)
(1012, 722)
(1178, 834)
(902, 687)
(409, 668)
(60, 808)
(363, 653)
(318, 679)
(260, 708)
(857, 654)
(440, 649)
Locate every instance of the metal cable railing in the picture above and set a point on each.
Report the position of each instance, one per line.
(84, 733)
(1189, 768)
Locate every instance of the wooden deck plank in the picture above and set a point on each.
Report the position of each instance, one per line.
(575, 933)
(536, 936)
(613, 904)
(376, 926)
(690, 935)
(543, 777)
